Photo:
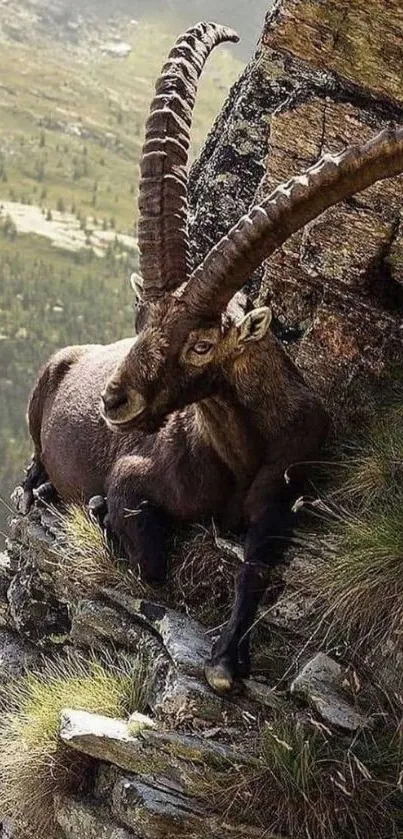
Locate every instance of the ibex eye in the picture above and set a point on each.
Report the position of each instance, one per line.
(202, 347)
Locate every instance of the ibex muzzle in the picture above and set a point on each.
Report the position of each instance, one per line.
(121, 404)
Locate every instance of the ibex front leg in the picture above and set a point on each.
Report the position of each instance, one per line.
(267, 537)
(135, 521)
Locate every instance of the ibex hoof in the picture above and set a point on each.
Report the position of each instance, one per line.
(219, 676)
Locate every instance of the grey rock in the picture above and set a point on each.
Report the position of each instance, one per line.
(149, 750)
(6, 830)
(224, 179)
(5, 579)
(289, 612)
(320, 685)
(264, 695)
(105, 738)
(195, 749)
(38, 541)
(35, 611)
(157, 810)
(84, 820)
(160, 810)
(5, 564)
(94, 622)
(50, 521)
(186, 698)
(138, 723)
(15, 656)
(184, 638)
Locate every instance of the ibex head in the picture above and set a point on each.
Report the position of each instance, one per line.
(193, 330)
(178, 359)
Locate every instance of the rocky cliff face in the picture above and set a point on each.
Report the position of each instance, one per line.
(325, 74)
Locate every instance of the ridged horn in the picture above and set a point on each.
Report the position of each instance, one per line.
(162, 229)
(289, 208)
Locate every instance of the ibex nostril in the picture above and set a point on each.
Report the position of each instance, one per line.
(114, 400)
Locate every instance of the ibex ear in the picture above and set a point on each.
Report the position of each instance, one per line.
(137, 282)
(254, 325)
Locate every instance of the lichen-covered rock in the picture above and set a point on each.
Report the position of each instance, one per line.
(325, 74)
(149, 753)
(6, 830)
(82, 820)
(105, 738)
(185, 698)
(224, 178)
(94, 622)
(36, 612)
(157, 810)
(360, 41)
(160, 810)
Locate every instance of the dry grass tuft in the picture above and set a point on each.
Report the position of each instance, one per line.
(202, 577)
(309, 784)
(372, 466)
(357, 577)
(34, 764)
(87, 563)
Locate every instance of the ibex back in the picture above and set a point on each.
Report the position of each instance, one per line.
(201, 415)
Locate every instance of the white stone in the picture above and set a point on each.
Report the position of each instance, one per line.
(117, 49)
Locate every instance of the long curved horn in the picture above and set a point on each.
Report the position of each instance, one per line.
(162, 228)
(289, 208)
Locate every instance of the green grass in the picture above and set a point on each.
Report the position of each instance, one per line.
(85, 560)
(34, 764)
(372, 466)
(360, 573)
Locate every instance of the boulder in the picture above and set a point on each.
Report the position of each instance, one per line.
(320, 685)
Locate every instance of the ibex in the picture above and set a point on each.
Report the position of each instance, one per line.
(203, 412)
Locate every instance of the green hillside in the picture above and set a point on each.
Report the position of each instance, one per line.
(72, 118)
(71, 131)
